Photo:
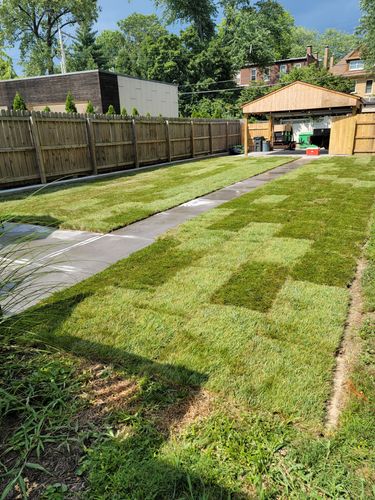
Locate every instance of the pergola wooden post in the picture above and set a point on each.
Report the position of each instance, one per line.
(246, 135)
(271, 129)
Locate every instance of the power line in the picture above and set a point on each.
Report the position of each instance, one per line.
(231, 89)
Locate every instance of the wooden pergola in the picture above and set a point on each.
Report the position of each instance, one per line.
(299, 99)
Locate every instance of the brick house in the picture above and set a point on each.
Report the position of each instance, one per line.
(253, 73)
(352, 66)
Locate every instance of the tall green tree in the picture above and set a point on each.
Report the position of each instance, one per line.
(85, 53)
(199, 13)
(256, 33)
(339, 42)
(367, 30)
(126, 50)
(34, 24)
(6, 67)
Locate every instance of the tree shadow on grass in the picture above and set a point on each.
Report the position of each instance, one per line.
(131, 466)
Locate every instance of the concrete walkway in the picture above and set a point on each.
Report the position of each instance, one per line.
(48, 260)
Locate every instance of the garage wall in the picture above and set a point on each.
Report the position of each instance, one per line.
(301, 126)
(148, 97)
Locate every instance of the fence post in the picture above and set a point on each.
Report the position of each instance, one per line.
(135, 141)
(227, 136)
(38, 149)
(192, 139)
(168, 138)
(91, 140)
(211, 139)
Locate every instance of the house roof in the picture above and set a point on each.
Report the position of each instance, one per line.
(12, 80)
(300, 96)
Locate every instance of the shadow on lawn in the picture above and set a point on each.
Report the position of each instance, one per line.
(41, 220)
(133, 466)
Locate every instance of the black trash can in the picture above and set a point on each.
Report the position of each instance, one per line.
(258, 144)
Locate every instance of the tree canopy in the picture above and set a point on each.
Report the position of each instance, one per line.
(34, 25)
(367, 30)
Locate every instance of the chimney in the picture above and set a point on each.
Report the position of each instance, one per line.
(309, 50)
(326, 58)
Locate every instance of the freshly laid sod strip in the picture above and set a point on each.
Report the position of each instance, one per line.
(225, 333)
(106, 205)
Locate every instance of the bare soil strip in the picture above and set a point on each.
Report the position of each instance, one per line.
(347, 354)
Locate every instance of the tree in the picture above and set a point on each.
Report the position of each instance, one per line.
(34, 24)
(319, 76)
(85, 54)
(367, 30)
(135, 112)
(6, 67)
(126, 50)
(19, 103)
(199, 13)
(214, 108)
(168, 59)
(124, 112)
(90, 108)
(70, 106)
(339, 42)
(111, 110)
(111, 43)
(258, 33)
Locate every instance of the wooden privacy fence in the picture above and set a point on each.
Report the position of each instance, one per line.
(41, 147)
(353, 135)
(258, 129)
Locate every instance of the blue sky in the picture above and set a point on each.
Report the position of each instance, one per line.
(314, 14)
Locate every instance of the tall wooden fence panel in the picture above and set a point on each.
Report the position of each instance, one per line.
(17, 151)
(41, 147)
(258, 129)
(365, 134)
(113, 143)
(64, 144)
(181, 139)
(342, 135)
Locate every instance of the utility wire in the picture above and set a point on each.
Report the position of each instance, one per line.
(231, 89)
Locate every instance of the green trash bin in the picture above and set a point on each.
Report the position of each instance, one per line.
(304, 140)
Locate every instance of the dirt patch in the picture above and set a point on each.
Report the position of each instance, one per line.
(105, 392)
(347, 354)
(181, 414)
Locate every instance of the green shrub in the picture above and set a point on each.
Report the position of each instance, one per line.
(111, 110)
(135, 112)
(47, 109)
(124, 112)
(70, 106)
(90, 108)
(19, 103)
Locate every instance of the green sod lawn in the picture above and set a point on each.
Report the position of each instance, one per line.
(105, 205)
(233, 319)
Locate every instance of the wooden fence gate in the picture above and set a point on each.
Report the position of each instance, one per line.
(353, 135)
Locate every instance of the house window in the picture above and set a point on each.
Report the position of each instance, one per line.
(267, 74)
(253, 74)
(356, 65)
(369, 85)
(298, 65)
(283, 69)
